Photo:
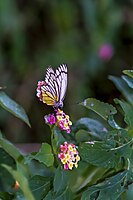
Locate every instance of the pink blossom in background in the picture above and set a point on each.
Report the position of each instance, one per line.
(106, 51)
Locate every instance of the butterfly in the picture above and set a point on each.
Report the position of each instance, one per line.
(54, 87)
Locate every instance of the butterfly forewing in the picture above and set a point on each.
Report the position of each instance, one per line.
(61, 76)
(56, 84)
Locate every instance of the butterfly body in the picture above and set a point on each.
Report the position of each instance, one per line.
(53, 89)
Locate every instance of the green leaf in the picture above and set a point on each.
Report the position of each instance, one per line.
(60, 180)
(58, 137)
(39, 186)
(113, 123)
(49, 196)
(22, 180)
(6, 196)
(128, 80)
(103, 155)
(45, 155)
(110, 189)
(128, 111)
(64, 195)
(10, 148)
(8, 104)
(123, 87)
(128, 72)
(101, 108)
(6, 180)
(96, 130)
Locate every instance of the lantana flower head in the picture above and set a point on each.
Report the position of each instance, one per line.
(63, 121)
(60, 119)
(69, 156)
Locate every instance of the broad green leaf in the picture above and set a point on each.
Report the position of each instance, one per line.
(128, 80)
(64, 195)
(58, 137)
(6, 179)
(85, 174)
(6, 158)
(6, 196)
(113, 123)
(22, 180)
(123, 87)
(10, 148)
(101, 108)
(49, 196)
(103, 155)
(60, 180)
(39, 186)
(8, 104)
(128, 72)
(45, 155)
(128, 111)
(96, 130)
(110, 189)
(83, 136)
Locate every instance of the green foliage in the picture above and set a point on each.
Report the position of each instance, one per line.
(45, 155)
(60, 180)
(102, 109)
(111, 188)
(39, 186)
(103, 155)
(105, 149)
(12, 107)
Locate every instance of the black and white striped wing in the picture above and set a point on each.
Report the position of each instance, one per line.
(61, 79)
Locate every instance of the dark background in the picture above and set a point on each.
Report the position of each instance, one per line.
(37, 33)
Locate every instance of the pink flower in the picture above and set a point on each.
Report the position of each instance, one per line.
(66, 167)
(63, 121)
(50, 119)
(69, 156)
(60, 119)
(106, 51)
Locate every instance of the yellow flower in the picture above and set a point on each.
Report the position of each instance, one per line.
(67, 156)
(70, 165)
(70, 148)
(74, 150)
(60, 111)
(59, 118)
(67, 117)
(64, 161)
(77, 158)
(70, 123)
(66, 125)
(76, 164)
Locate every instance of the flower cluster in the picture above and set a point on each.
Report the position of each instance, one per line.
(69, 156)
(63, 121)
(60, 119)
(39, 93)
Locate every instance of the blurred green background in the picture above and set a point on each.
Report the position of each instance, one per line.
(95, 39)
